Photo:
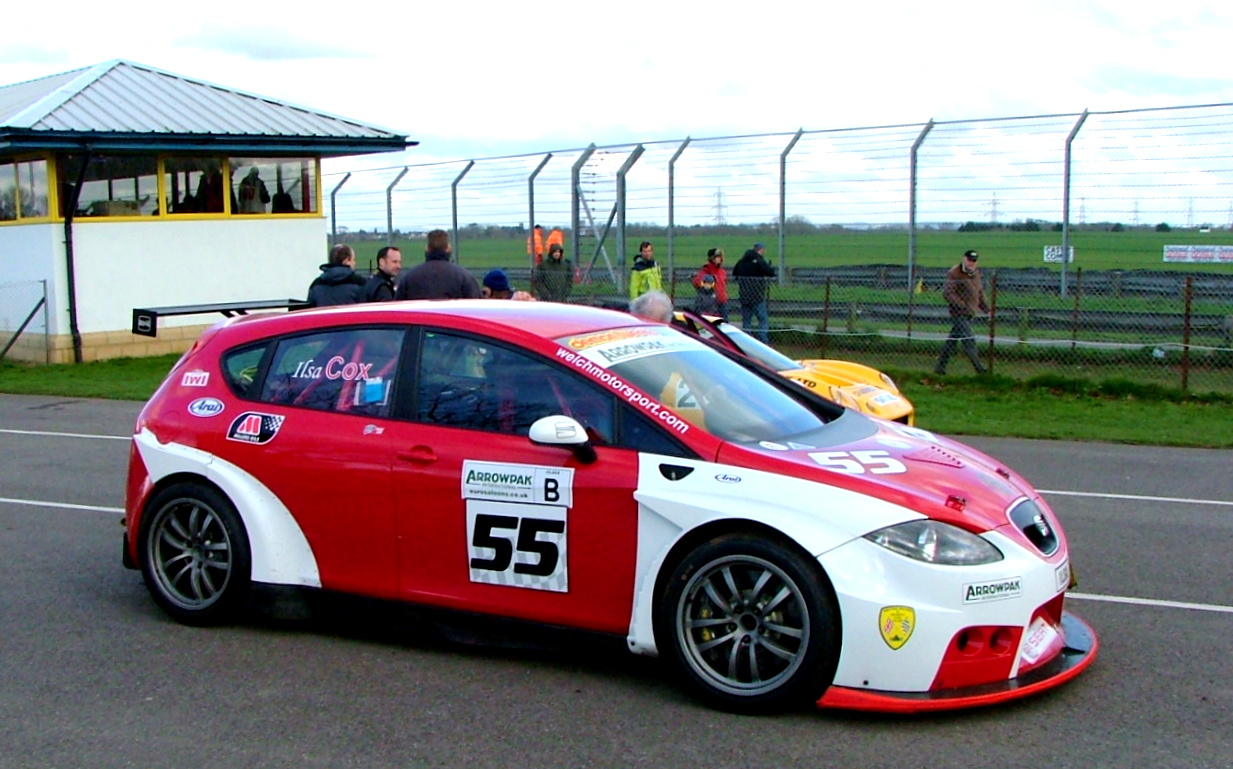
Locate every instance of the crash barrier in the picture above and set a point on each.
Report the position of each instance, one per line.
(23, 321)
(145, 320)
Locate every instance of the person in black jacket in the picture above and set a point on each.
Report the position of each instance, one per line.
(380, 285)
(437, 277)
(338, 282)
(753, 277)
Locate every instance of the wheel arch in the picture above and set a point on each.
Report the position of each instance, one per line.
(714, 529)
(281, 554)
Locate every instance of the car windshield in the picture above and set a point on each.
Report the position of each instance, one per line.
(700, 385)
(759, 351)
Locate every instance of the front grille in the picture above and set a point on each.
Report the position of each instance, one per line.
(1035, 525)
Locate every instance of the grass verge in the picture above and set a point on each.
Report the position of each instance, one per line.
(1046, 407)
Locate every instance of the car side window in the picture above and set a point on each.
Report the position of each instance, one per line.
(477, 384)
(240, 369)
(348, 370)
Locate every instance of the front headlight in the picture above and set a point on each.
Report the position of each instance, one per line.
(936, 542)
(843, 398)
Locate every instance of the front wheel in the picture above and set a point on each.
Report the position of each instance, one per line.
(751, 623)
(195, 555)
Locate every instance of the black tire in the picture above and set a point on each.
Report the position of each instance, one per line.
(751, 623)
(194, 554)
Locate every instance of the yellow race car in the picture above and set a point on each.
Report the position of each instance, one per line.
(849, 384)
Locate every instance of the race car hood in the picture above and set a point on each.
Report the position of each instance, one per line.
(866, 394)
(927, 473)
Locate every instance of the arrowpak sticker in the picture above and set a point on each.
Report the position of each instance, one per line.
(998, 590)
(508, 482)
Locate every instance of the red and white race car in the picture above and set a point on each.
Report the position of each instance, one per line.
(577, 467)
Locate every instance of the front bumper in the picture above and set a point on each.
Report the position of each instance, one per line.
(1078, 652)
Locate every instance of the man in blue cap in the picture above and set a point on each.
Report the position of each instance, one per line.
(496, 286)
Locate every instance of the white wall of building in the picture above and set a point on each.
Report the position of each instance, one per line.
(120, 265)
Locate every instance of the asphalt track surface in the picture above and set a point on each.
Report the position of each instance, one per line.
(93, 675)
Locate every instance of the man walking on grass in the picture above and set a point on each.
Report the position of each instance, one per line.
(965, 297)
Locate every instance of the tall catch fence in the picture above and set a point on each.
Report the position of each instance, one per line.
(862, 223)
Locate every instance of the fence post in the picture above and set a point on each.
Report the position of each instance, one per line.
(334, 209)
(389, 207)
(1066, 200)
(575, 210)
(993, 315)
(531, 207)
(1074, 313)
(1186, 337)
(826, 315)
(783, 195)
(672, 215)
(920, 139)
(620, 210)
(457, 251)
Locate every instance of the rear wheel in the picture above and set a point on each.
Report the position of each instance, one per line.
(194, 554)
(752, 624)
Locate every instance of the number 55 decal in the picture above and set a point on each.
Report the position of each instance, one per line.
(517, 545)
(859, 462)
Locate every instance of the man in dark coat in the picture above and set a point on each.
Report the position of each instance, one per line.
(338, 282)
(437, 277)
(965, 296)
(380, 286)
(753, 277)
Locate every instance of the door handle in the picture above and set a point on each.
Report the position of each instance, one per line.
(420, 455)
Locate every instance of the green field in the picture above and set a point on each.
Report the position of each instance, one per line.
(1136, 249)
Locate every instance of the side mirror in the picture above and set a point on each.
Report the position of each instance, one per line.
(567, 432)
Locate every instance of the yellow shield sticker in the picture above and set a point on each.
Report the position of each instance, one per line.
(896, 624)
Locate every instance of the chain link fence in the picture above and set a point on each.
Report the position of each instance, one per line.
(23, 321)
(862, 224)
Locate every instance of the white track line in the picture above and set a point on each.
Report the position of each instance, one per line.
(68, 435)
(1138, 498)
(61, 505)
(1152, 602)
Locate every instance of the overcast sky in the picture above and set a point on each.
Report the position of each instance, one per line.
(480, 79)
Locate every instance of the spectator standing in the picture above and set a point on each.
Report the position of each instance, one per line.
(965, 298)
(555, 238)
(338, 282)
(714, 269)
(553, 279)
(437, 277)
(706, 302)
(380, 285)
(253, 194)
(535, 244)
(753, 277)
(645, 275)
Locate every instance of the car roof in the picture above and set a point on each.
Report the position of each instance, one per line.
(549, 320)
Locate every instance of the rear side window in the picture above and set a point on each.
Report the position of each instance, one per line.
(240, 370)
(350, 371)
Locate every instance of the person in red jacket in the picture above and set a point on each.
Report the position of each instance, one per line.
(714, 267)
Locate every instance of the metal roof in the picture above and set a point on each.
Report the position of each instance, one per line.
(120, 105)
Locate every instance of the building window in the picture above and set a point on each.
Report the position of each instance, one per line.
(23, 190)
(195, 186)
(273, 185)
(119, 185)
